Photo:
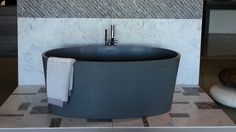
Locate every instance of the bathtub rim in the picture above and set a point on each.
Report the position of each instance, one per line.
(178, 55)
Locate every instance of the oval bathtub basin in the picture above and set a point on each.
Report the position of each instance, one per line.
(122, 81)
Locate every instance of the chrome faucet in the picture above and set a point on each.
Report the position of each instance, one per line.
(112, 40)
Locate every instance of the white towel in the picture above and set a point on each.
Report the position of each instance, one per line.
(59, 80)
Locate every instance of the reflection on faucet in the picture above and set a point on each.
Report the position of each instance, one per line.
(112, 40)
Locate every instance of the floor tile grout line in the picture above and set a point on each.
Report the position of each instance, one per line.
(11, 115)
(23, 94)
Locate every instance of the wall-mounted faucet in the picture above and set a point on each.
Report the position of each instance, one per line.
(112, 40)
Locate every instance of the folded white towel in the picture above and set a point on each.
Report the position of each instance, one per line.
(59, 80)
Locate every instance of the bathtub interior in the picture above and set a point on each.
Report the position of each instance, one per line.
(113, 53)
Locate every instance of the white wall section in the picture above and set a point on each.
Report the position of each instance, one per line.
(222, 21)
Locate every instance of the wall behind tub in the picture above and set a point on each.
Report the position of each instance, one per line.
(49, 24)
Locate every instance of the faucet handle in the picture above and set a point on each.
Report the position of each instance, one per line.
(115, 40)
(106, 40)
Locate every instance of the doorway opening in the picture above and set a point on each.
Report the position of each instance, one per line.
(8, 48)
(218, 44)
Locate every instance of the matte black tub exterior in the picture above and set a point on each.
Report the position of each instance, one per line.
(118, 81)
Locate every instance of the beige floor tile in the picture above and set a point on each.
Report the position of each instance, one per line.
(183, 108)
(10, 122)
(137, 122)
(73, 122)
(181, 122)
(160, 120)
(98, 124)
(37, 120)
(179, 88)
(27, 89)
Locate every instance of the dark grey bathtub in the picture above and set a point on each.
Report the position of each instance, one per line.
(118, 81)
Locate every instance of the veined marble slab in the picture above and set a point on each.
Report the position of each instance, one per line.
(150, 9)
(37, 35)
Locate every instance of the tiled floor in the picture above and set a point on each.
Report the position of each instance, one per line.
(27, 107)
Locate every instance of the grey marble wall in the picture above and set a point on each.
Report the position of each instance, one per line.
(150, 9)
(50, 24)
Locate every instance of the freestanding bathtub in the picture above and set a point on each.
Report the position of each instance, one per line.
(121, 81)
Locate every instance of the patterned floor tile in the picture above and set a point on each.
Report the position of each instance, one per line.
(179, 115)
(206, 105)
(24, 106)
(180, 102)
(188, 91)
(177, 91)
(203, 97)
(12, 104)
(55, 122)
(44, 101)
(42, 90)
(191, 94)
(145, 122)
(40, 110)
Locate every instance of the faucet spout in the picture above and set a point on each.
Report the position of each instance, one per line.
(112, 31)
